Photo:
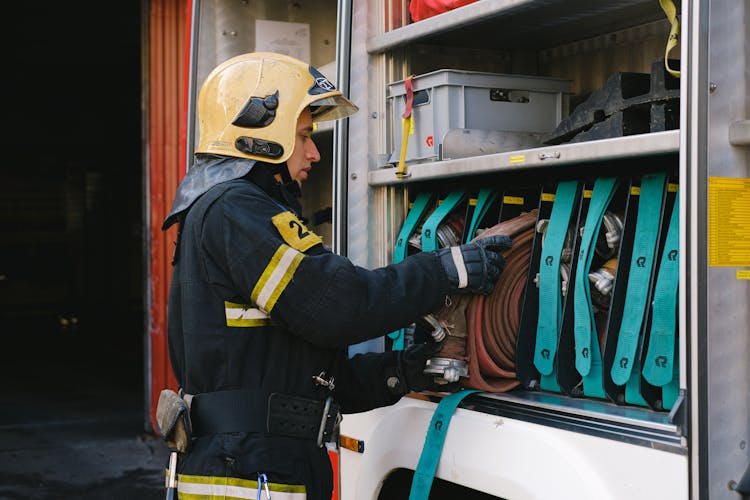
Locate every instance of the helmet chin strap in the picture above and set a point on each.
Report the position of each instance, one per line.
(290, 189)
(287, 183)
(283, 169)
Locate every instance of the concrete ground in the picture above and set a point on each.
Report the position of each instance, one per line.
(72, 416)
(77, 450)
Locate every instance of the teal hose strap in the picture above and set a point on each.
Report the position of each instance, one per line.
(485, 198)
(430, 226)
(587, 352)
(633, 387)
(550, 292)
(418, 208)
(639, 279)
(659, 367)
(588, 355)
(671, 391)
(433, 444)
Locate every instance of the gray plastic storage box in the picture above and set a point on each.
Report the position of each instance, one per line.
(524, 107)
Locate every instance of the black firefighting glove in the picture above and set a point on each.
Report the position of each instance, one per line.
(409, 373)
(473, 268)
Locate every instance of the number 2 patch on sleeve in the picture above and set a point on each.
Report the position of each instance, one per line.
(294, 232)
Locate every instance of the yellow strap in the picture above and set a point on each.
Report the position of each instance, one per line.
(407, 124)
(674, 34)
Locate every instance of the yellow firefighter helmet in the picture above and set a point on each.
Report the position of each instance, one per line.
(248, 106)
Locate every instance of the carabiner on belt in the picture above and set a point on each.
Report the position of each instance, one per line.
(263, 482)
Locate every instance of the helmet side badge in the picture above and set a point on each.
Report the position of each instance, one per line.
(258, 112)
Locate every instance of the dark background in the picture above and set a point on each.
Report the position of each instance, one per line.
(73, 411)
(71, 198)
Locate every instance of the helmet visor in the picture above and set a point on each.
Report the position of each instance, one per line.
(332, 108)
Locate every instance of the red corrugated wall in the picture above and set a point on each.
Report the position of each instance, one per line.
(167, 40)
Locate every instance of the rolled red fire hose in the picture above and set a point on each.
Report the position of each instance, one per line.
(492, 321)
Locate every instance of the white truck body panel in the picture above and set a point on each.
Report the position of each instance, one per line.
(508, 458)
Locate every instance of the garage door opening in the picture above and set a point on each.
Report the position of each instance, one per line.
(71, 216)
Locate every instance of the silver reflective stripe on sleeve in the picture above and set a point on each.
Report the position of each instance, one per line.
(458, 260)
(213, 487)
(244, 315)
(276, 276)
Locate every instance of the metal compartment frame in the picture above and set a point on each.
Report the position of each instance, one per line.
(711, 427)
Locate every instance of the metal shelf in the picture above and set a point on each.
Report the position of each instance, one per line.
(636, 425)
(496, 24)
(633, 146)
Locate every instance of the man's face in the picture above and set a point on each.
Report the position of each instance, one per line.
(305, 151)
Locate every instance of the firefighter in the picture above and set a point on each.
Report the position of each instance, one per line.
(261, 312)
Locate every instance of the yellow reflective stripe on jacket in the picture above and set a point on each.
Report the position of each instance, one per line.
(275, 277)
(214, 488)
(244, 315)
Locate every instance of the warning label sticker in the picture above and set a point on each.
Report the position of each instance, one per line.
(728, 221)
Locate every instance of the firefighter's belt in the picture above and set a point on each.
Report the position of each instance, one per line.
(257, 412)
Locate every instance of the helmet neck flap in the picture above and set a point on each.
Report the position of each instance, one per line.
(206, 172)
(210, 170)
